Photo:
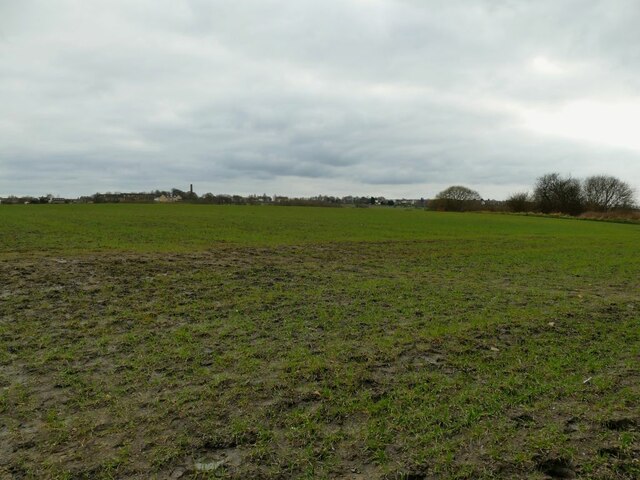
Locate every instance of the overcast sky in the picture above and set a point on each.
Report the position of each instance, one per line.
(377, 97)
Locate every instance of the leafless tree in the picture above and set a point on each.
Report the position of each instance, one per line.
(604, 193)
(457, 198)
(556, 194)
(458, 192)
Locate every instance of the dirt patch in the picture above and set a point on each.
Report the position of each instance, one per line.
(524, 420)
(621, 424)
(556, 467)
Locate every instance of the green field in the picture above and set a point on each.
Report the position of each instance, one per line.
(187, 341)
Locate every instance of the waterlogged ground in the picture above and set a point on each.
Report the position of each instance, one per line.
(511, 352)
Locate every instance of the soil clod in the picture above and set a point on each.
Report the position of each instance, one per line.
(556, 467)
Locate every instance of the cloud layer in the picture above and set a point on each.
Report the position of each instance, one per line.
(391, 97)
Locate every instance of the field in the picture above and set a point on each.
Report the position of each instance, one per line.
(185, 341)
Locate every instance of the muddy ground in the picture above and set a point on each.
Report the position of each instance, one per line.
(354, 361)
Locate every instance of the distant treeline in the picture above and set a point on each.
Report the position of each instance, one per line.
(552, 193)
(177, 195)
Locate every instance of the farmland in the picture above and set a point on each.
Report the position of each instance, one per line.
(186, 341)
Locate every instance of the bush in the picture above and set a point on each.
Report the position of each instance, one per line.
(520, 202)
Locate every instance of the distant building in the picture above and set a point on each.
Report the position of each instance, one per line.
(167, 198)
(136, 197)
(405, 202)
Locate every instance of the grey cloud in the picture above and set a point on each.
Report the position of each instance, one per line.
(370, 95)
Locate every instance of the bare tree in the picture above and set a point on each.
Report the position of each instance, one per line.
(555, 194)
(458, 192)
(457, 198)
(604, 193)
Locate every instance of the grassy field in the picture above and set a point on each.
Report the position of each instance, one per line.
(185, 341)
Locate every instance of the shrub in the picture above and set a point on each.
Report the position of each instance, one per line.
(520, 202)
